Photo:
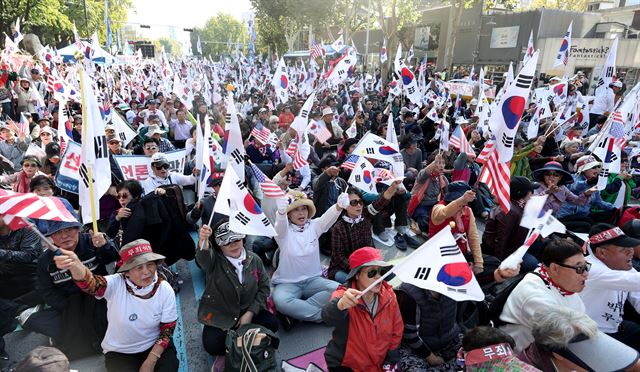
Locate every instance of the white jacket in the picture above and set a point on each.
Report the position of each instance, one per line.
(299, 250)
(153, 182)
(530, 295)
(606, 292)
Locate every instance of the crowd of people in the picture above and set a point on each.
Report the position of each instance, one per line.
(573, 300)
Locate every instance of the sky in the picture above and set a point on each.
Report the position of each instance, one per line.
(182, 14)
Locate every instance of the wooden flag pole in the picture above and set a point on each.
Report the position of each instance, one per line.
(94, 219)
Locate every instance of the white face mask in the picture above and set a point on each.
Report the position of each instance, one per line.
(144, 290)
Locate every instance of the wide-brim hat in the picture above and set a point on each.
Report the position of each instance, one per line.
(538, 174)
(364, 257)
(599, 353)
(55, 226)
(455, 190)
(155, 129)
(299, 199)
(137, 253)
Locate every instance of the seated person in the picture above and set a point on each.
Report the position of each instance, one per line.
(65, 299)
(142, 311)
(230, 301)
(558, 280)
(353, 230)
(162, 176)
(203, 209)
(568, 340)
(490, 349)
(427, 191)
(300, 291)
(128, 194)
(454, 209)
(612, 281)
(367, 330)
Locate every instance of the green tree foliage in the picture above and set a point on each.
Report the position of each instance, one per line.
(171, 47)
(219, 35)
(52, 20)
(576, 5)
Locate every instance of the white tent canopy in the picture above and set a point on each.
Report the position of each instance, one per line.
(99, 55)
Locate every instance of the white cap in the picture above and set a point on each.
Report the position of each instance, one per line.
(155, 129)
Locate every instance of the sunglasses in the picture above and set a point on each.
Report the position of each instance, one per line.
(579, 269)
(356, 202)
(45, 134)
(123, 196)
(29, 165)
(163, 166)
(371, 273)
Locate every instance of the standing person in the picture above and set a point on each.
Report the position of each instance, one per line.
(368, 330)
(141, 311)
(180, 128)
(237, 286)
(300, 291)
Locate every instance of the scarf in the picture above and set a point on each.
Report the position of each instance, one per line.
(297, 228)
(143, 292)
(352, 221)
(238, 264)
(544, 274)
(22, 184)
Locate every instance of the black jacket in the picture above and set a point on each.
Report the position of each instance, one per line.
(19, 251)
(158, 220)
(56, 286)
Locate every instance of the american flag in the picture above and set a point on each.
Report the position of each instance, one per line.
(299, 161)
(316, 50)
(14, 222)
(261, 133)
(291, 149)
(459, 141)
(33, 206)
(497, 177)
(270, 189)
(484, 154)
(617, 129)
(350, 162)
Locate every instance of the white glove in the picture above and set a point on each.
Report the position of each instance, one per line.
(282, 204)
(343, 200)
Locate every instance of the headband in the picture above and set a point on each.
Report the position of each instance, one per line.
(606, 235)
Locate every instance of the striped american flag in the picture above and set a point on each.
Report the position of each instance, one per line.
(459, 141)
(316, 50)
(350, 162)
(617, 129)
(261, 133)
(484, 154)
(270, 189)
(299, 161)
(291, 149)
(497, 177)
(14, 222)
(33, 206)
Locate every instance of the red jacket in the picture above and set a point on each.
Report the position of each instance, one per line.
(358, 341)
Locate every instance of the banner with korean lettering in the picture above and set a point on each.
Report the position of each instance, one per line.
(138, 167)
(68, 176)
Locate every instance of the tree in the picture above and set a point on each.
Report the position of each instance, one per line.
(575, 5)
(52, 20)
(279, 20)
(219, 35)
(171, 47)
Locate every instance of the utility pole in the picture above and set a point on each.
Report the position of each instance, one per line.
(366, 43)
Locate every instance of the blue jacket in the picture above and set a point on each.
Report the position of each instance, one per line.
(578, 187)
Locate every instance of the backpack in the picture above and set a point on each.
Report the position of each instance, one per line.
(251, 348)
(496, 295)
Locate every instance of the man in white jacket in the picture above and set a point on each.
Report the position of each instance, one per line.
(612, 281)
(162, 176)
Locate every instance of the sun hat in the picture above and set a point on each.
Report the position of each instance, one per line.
(586, 162)
(46, 129)
(363, 257)
(159, 158)
(55, 226)
(616, 84)
(473, 102)
(599, 353)
(43, 359)
(225, 236)
(155, 129)
(520, 186)
(455, 190)
(538, 174)
(327, 111)
(299, 199)
(137, 253)
(603, 233)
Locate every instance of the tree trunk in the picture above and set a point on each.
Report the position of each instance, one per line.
(27, 12)
(457, 8)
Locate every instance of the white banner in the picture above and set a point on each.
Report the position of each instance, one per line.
(68, 174)
(138, 167)
(504, 37)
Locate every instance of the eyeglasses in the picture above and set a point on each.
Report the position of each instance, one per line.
(123, 196)
(356, 202)
(553, 174)
(29, 165)
(379, 271)
(151, 148)
(45, 134)
(162, 166)
(579, 269)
